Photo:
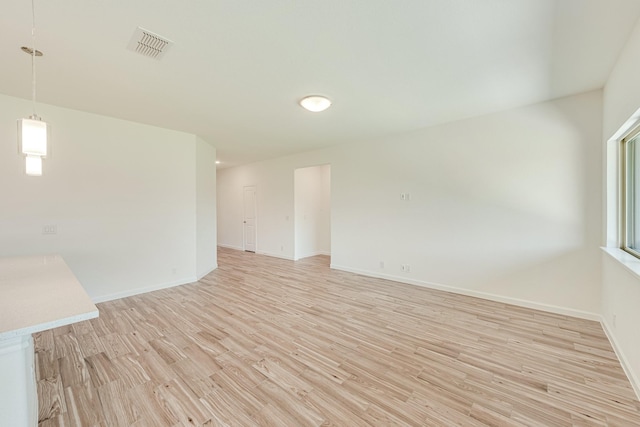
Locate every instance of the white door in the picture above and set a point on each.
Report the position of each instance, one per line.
(249, 220)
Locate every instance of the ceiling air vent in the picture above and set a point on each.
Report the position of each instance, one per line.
(149, 44)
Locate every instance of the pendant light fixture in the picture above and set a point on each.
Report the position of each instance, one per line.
(33, 133)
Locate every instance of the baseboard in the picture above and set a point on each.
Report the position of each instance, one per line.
(484, 295)
(200, 276)
(237, 248)
(314, 254)
(626, 366)
(275, 255)
(144, 290)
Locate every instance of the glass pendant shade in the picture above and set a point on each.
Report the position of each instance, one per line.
(32, 136)
(33, 165)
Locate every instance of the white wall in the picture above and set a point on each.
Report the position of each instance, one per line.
(324, 215)
(506, 205)
(275, 206)
(122, 195)
(312, 211)
(206, 247)
(621, 289)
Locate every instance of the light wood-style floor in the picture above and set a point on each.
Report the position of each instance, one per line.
(265, 341)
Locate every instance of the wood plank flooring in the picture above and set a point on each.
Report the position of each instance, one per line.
(265, 341)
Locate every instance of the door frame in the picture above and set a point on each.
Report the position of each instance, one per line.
(255, 218)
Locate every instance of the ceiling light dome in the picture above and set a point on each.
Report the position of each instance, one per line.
(315, 103)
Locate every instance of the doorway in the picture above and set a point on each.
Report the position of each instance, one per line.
(312, 211)
(249, 219)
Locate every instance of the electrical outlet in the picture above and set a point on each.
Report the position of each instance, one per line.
(402, 196)
(50, 229)
(407, 268)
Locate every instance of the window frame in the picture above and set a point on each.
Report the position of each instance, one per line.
(629, 170)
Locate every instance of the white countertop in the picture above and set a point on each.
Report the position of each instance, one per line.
(39, 293)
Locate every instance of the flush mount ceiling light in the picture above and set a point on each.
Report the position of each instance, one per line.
(315, 103)
(33, 132)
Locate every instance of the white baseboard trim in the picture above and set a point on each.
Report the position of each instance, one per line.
(275, 255)
(626, 366)
(309, 255)
(214, 267)
(137, 291)
(484, 295)
(237, 248)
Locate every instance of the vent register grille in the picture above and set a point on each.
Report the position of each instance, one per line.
(149, 44)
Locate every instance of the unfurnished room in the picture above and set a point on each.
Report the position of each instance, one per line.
(319, 213)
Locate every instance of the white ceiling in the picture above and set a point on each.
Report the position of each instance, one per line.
(238, 67)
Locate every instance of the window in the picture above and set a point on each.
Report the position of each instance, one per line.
(630, 180)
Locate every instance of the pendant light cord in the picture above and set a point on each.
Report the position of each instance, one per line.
(33, 56)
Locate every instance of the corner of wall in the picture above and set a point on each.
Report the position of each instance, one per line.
(624, 362)
(207, 271)
(206, 206)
